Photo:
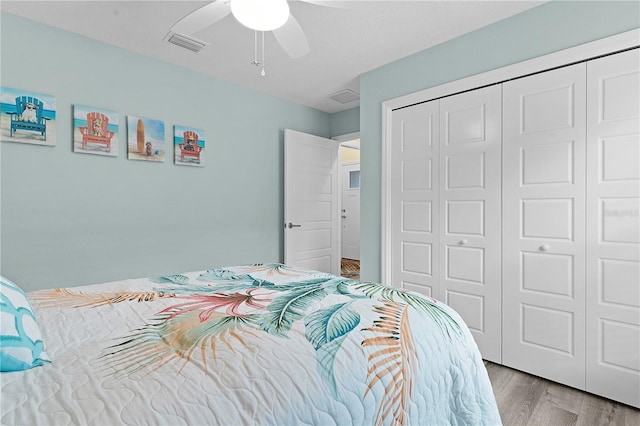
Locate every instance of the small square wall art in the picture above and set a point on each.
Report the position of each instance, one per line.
(145, 139)
(95, 131)
(27, 117)
(188, 146)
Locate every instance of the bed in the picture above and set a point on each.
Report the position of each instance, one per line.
(246, 345)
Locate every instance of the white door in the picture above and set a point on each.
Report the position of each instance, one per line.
(311, 202)
(351, 211)
(470, 212)
(613, 234)
(544, 224)
(414, 198)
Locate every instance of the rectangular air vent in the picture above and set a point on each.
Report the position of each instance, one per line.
(186, 42)
(345, 96)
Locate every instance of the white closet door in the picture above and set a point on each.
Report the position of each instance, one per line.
(543, 214)
(414, 198)
(613, 234)
(470, 211)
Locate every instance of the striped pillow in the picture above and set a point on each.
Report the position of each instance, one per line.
(21, 345)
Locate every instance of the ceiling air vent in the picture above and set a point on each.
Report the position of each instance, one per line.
(345, 96)
(186, 42)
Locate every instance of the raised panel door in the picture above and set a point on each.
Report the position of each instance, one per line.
(414, 198)
(544, 224)
(311, 202)
(613, 236)
(470, 212)
(350, 211)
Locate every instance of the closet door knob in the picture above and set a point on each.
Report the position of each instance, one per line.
(463, 242)
(544, 247)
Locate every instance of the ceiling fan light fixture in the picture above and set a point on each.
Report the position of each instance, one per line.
(261, 15)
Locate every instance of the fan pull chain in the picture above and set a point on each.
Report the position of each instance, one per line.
(255, 50)
(255, 61)
(263, 73)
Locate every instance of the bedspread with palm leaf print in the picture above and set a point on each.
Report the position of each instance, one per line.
(257, 344)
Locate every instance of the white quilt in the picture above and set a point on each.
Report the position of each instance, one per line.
(249, 345)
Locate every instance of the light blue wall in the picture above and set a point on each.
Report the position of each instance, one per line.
(551, 27)
(69, 219)
(345, 122)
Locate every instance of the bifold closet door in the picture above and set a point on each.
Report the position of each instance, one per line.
(470, 212)
(544, 224)
(414, 198)
(613, 233)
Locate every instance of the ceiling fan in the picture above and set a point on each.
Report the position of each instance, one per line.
(259, 15)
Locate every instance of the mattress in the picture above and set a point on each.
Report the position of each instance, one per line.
(248, 345)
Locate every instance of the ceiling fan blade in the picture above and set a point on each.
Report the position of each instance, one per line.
(292, 38)
(202, 18)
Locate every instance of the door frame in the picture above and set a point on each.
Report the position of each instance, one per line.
(590, 50)
(347, 137)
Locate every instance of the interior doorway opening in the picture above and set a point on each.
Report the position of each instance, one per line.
(349, 175)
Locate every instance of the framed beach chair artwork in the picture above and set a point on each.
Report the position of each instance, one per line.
(188, 146)
(145, 139)
(95, 131)
(27, 117)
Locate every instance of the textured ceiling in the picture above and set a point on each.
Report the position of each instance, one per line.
(345, 42)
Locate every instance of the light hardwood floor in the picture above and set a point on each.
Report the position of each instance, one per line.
(524, 399)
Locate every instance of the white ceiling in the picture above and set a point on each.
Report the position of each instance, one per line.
(344, 42)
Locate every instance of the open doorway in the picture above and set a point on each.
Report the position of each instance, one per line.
(349, 159)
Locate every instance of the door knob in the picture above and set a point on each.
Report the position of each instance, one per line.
(291, 225)
(544, 247)
(463, 242)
